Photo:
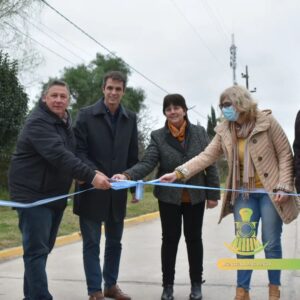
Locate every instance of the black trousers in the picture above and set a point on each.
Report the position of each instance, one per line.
(171, 216)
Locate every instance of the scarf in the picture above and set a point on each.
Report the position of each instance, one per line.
(242, 131)
(179, 134)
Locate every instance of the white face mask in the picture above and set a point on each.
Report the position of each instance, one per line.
(230, 113)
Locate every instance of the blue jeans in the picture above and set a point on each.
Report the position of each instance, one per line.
(91, 235)
(39, 226)
(271, 227)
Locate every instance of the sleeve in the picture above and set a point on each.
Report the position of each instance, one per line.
(284, 156)
(147, 163)
(203, 160)
(81, 135)
(296, 147)
(211, 174)
(48, 144)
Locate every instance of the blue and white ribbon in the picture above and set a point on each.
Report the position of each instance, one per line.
(139, 192)
(39, 202)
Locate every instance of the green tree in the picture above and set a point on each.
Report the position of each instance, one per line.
(211, 123)
(85, 82)
(13, 109)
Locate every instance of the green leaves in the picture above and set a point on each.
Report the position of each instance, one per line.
(85, 82)
(211, 123)
(13, 110)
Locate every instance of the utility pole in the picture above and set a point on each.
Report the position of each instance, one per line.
(233, 59)
(246, 76)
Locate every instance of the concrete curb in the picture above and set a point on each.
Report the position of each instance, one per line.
(74, 237)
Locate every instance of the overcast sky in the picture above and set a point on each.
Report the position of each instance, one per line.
(183, 46)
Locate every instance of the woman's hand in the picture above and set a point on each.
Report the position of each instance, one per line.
(119, 177)
(169, 177)
(211, 203)
(281, 197)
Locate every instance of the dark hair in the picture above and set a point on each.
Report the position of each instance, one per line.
(55, 82)
(115, 75)
(174, 99)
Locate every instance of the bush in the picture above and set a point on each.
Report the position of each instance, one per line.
(13, 108)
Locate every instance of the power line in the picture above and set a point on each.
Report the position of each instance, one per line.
(53, 39)
(195, 31)
(34, 40)
(220, 26)
(63, 38)
(203, 42)
(101, 45)
(114, 55)
(192, 108)
(54, 52)
(69, 42)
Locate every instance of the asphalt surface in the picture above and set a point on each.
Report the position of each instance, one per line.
(140, 273)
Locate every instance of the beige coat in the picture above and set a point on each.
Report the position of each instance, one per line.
(271, 154)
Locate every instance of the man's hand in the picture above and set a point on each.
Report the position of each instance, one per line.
(98, 172)
(211, 204)
(101, 181)
(169, 177)
(119, 177)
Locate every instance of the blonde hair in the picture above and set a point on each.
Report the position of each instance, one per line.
(242, 99)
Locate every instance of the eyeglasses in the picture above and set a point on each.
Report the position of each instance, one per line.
(225, 104)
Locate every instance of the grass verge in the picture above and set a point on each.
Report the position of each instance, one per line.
(10, 235)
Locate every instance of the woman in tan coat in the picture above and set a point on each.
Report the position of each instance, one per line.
(260, 161)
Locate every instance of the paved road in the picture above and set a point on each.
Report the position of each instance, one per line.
(140, 274)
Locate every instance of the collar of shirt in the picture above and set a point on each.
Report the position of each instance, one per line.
(113, 117)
